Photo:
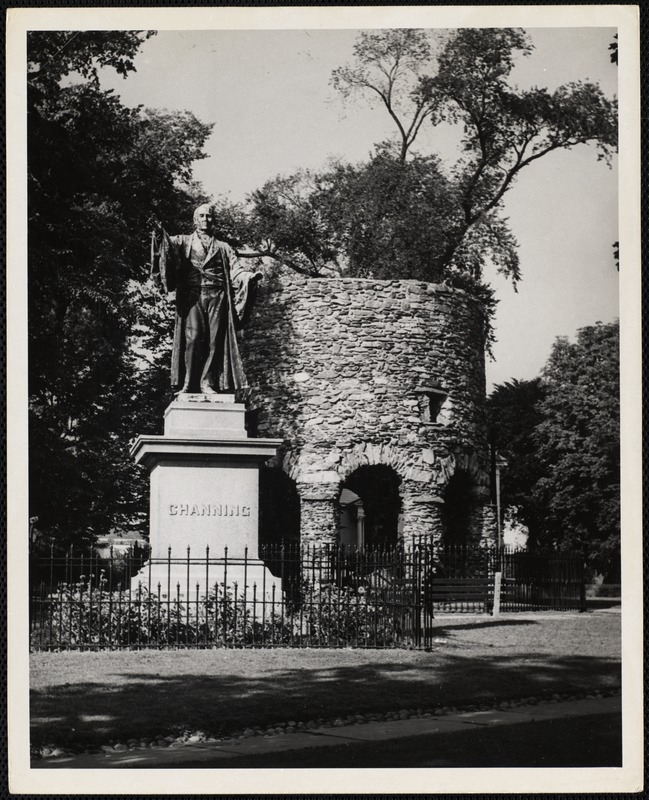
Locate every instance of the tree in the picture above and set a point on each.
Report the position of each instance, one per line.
(505, 129)
(53, 55)
(403, 214)
(364, 207)
(349, 218)
(390, 65)
(284, 220)
(513, 414)
(578, 444)
(560, 436)
(96, 170)
(382, 219)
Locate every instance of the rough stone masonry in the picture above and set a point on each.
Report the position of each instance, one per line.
(352, 372)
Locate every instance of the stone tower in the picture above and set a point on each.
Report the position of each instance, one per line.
(376, 387)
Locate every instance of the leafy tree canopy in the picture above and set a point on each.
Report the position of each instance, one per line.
(53, 55)
(96, 170)
(578, 443)
(560, 435)
(513, 413)
(402, 214)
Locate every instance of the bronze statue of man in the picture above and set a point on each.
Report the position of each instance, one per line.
(214, 296)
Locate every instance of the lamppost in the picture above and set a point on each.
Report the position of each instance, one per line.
(500, 463)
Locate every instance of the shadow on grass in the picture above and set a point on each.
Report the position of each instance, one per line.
(469, 626)
(149, 704)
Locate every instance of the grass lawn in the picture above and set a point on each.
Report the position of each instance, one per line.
(90, 698)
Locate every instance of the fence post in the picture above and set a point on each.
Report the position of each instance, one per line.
(497, 584)
(582, 587)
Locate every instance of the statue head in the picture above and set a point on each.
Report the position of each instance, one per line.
(203, 218)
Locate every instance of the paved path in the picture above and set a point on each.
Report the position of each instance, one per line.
(556, 734)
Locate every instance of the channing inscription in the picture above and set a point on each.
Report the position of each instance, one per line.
(223, 510)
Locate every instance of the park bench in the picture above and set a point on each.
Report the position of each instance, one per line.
(461, 594)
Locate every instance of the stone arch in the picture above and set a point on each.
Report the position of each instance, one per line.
(368, 454)
(465, 462)
(373, 492)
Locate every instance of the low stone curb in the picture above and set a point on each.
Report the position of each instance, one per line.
(190, 737)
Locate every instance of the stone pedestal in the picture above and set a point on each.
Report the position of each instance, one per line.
(204, 497)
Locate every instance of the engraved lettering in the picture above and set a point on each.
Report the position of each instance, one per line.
(208, 510)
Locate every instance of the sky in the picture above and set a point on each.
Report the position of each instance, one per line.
(268, 94)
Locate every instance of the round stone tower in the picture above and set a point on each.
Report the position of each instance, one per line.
(378, 390)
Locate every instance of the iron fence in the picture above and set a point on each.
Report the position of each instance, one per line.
(537, 581)
(531, 580)
(295, 596)
(306, 597)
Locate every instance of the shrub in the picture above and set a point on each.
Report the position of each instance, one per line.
(87, 615)
(332, 616)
